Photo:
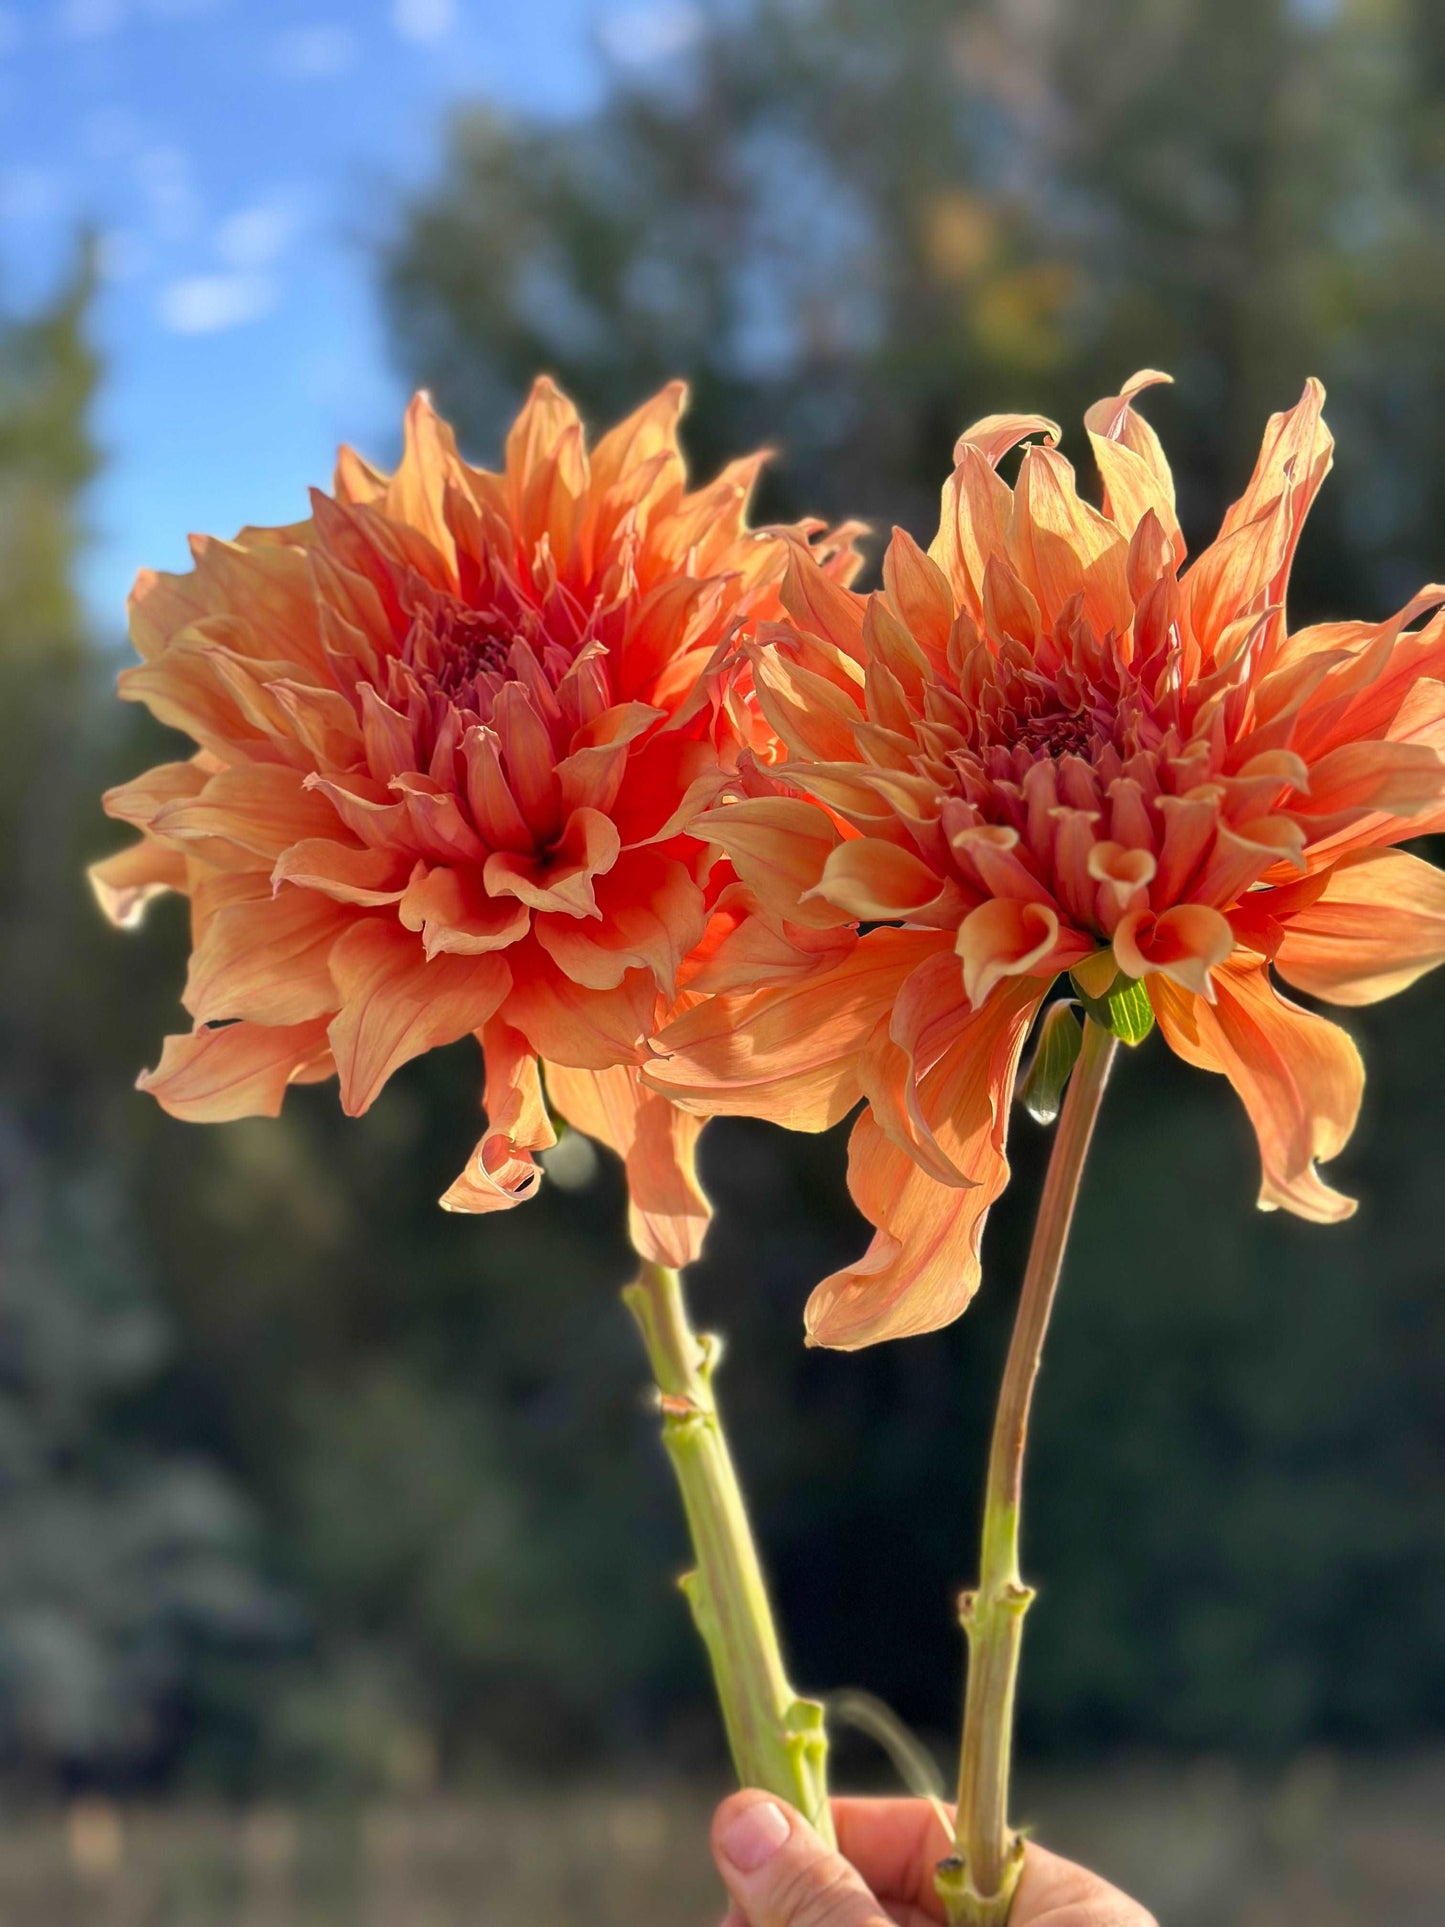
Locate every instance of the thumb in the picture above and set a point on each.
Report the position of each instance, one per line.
(779, 1872)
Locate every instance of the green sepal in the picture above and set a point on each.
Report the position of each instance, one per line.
(1060, 1039)
(1125, 1009)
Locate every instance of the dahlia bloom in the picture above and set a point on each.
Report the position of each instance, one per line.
(1049, 746)
(450, 731)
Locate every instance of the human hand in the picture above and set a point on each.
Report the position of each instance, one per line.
(780, 1874)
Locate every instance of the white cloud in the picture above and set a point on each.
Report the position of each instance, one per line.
(255, 237)
(636, 36)
(205, 304)
(90, 19)
(30, 194)
(424, 20)
(12, 31)
(315, 53)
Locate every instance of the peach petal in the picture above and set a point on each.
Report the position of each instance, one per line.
(262, 808)
(788, 1052)
(266, 959)
(457, 918)
(780, 847)
(501, 1171)
(668, 1211)
(922, 1267)
(1184, 944)
(395, 1004)
(343, 871)
(1300, 1078)
(126, 883)
(232, 1070)
(1004, 938)
(561, 881)
(650, 915)
(875, 881)
(1377, 926)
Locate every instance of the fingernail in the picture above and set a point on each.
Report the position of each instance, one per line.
(754, 1836)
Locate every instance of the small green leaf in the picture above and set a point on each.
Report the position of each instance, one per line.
(1131, 1015)
(1125, 1009)
(1042, 1090)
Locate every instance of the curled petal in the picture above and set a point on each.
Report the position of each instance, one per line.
(1004, 937)
(126, 882)
(227, 1071)
(561, 881)
(1299, 1076)
(456, 917)
(668, 1212)
(1378, 924)
(874, 880)
(922, 1267)
(1184, 944)
(501, 1171)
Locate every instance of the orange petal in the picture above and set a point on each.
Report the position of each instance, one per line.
(922, 1267)
(343, 872)
(234, 1070)
(1004, 937)
(126, 882)
(501, 1171)
(1185, 944)
(569, 1024)
(395, 1004)
(1132, 465)
(650, 915)
(1378, 925)
(779, 846)
(260, 807)
(265, 958)
(456, 917)
(995, 435)
(1299, 1077)
(874, 881)
(562, 880)
(668, 1212)
(789, 1052)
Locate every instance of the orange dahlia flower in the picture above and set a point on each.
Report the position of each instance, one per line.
(451, 729)
(1049, 746)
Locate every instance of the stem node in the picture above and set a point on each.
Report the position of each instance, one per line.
(777, 1739)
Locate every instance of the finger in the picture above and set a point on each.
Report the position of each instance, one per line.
(896, 1845)
(779, 1872)
(1056, 1893)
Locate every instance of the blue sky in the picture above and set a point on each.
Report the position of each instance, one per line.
(237, 156)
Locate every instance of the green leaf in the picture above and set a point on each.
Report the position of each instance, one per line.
(1042, 1090)
(1131, 1015)
(1125, 1009)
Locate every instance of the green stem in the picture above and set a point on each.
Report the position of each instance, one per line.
(977, 1884)
(777, 1739)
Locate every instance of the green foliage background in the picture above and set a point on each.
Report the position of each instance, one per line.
(302, 1480)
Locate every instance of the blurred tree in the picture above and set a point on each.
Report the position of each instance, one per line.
(855, 225)
(127, 1566)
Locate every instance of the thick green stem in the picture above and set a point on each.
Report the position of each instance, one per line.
(777, 1739)
(977, 1884)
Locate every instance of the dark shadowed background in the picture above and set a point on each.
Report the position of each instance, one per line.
(310, 1493)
